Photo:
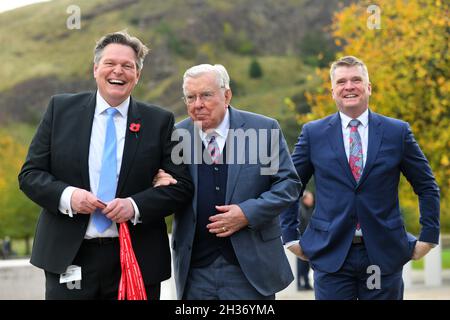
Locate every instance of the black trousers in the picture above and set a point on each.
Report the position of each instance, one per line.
(100, 272)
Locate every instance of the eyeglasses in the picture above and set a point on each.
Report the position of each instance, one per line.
(203, 96)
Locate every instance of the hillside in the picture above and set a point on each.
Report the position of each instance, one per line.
(43, 57)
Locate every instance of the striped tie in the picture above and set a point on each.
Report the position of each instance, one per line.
(213, 149)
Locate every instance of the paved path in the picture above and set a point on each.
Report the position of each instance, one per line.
(413, 293)
(19, 280)
(417, 291)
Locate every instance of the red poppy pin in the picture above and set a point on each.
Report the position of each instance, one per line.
(135, 127)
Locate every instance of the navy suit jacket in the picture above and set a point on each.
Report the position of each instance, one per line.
(262, 198)
(341, 201)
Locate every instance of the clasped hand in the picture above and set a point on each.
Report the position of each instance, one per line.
(224, 224)
(118, 210)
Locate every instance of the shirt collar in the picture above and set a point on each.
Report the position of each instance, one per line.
(363, 118)
(102, 105)
(222, 128)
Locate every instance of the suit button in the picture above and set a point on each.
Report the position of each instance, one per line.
(189, 248)
(216, 169)
(217, 188)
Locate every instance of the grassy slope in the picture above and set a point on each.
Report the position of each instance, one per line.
(36, 39)
(33, 40)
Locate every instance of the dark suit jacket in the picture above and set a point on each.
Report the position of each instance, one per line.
(58, 158)
(340, 201)
(262, 198)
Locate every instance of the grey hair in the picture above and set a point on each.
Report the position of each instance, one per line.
(349, 61)
(222, 77)
(121, 37)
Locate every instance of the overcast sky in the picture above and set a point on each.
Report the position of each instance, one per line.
(6, 5)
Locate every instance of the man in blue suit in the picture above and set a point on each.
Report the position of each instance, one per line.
(227, 243)
(356, 240)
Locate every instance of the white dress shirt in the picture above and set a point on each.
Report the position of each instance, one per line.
(95, 161)
(221, 132)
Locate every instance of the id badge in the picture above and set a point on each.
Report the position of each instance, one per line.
(73, 273)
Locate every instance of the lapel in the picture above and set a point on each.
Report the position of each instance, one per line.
(132, 140)
(84, 138)
(375, 135)
(236, 122)
(336, 140)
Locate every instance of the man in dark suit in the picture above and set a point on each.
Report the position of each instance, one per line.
(227, 243)
(80, 138)
(356, 240)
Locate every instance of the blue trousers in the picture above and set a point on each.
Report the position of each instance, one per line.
(220, 280)
(302, 274)
(357, 279)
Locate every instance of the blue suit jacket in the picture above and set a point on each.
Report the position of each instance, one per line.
(340, 201)
(262, 198)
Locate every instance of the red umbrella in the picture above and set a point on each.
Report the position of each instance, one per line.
(131, 285)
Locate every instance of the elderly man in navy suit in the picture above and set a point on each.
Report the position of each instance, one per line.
(357, 230)
(227, 243)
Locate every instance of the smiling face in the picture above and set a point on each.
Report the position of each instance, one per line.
(351, 90)
(206, 101)
(116, 73)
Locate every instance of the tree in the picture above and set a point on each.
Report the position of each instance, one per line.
(18, 214)
(255, 70)
(408, 62)
(316, 49)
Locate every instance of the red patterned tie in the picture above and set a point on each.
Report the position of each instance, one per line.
(131, 285)
(355, 155)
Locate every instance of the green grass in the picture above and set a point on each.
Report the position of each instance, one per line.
(40, 43)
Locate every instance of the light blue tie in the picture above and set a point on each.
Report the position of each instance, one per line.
(108, 182)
